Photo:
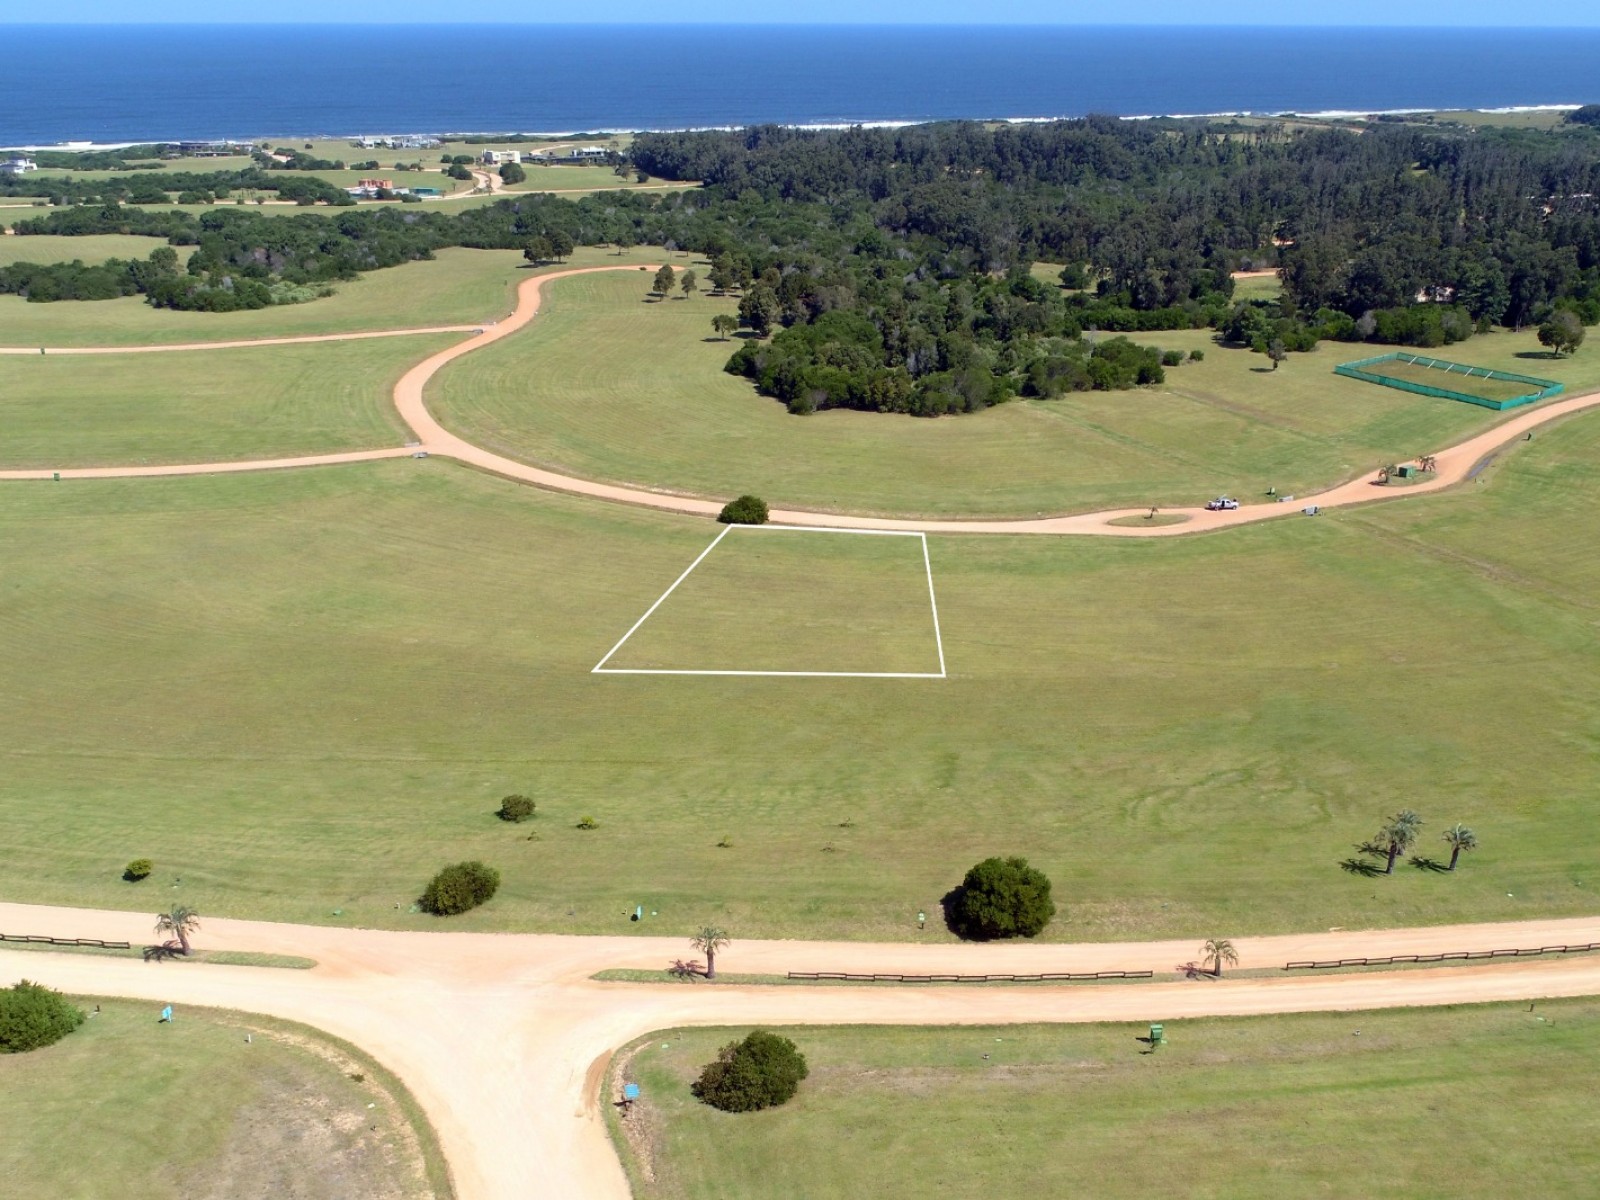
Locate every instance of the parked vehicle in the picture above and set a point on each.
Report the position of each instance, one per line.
(1222, 504)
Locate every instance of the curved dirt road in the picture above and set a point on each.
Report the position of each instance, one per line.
(1454, 464)
(503, 1037)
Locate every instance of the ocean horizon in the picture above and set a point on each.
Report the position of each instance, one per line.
(135, 83)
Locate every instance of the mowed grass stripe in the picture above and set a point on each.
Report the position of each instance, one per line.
(305, 691)
(205, 406)
(1486, 1102)
(794, 600)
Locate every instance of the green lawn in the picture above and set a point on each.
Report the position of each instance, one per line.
(95, 248)
(458, 287)
(787, 600)
(608, 386)
(305, 691)
(130, 1107)
(1258, 287)
(203, 406)
(1487, 1101)
(1455, 381)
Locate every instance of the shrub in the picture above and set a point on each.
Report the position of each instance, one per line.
(1171, 358)
(515, 809)
(762, 1071)
(746, 510)
(32, 1016)
(588, 823)
(138, 869)
(459, 888)
(1197, 356)
(1001, 898)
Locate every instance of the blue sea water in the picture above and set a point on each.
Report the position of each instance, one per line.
(135, 83)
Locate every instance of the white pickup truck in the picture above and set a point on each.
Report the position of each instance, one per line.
(1222, 504)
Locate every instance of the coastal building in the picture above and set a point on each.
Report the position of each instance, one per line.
(588, 153)
(18, 165)
(494, 158)
(376, 184)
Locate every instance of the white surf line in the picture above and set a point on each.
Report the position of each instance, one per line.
(596, 669)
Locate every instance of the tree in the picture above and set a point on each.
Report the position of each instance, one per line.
(539, 250)
(138, 869)
(708, 941)
(763, 1071)
(758, 309)
(458, 888)
(1002, 898)
(1563, 332)
(1460, 838)
(515, 809)
(664, 280)
(1276, 352)
(626, 240)
(688, 284)
(1219, 951)
(746, 510)
(1399, 835)
(182, 921)
(33, 1016)
(512, 173)
(724, 324)
(560, 244)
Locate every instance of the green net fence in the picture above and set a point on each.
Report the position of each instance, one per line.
(1370, 370)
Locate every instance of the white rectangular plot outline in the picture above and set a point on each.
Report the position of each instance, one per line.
(600, 667)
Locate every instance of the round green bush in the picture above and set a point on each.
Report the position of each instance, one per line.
(746, 510)
(138, 869)
(1002, 898)
(459, 888)
(31, 1016)
(763, 1071)
(515, 808)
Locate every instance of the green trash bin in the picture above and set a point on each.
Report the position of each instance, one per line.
(1158, 1036)
(1406, 472)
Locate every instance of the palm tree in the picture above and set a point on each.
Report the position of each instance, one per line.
(708, 941)
(1460, 838)
(1399, 835)
(1219, 951)
(182, 921)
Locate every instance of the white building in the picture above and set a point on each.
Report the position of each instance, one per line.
(495, 158)
(18, 165)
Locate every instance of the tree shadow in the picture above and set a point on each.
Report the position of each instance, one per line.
(1261, 370)
(950, 905)
(1423, 863)
(1544, 354)
(165, 952)
(1360, 866)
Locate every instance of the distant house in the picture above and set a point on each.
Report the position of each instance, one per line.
(376, 184)
(587, 153)
(211, 149)
(427, 193)
(535, 156)
(494, 158)
(18, 165)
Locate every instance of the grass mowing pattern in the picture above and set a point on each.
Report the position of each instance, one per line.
(205, 406)
(129, 1107)
(782, 600)
(608, 386)
(320, 684)
(91, 249)
(1484, 1101)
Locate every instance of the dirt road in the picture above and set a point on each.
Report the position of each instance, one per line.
(500, 1036)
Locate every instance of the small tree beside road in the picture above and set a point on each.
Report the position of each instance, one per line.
(763, 1071)
(1002, 898)
(179, 921)
(708, 941)
(1562, 331)
(1218, 951)
(746, 510)
(664, 280)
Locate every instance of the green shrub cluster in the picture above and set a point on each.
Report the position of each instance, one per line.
(1002, 898)
(458, 888)
(138, 869)
(746, 510)
(763, 1071)
(515, 809)
(33, 1016)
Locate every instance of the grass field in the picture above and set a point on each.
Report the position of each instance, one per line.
(129, 1107)
(1485, 1102)
(1257, 287)
(96, 248)
(607, 386)
(786, 600)
(82, 410)
(459, 286)
(317, 685)
(1498, 390)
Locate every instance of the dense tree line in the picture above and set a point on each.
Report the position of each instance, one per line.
(155, 187)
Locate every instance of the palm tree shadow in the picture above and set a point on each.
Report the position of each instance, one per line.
(165, 952)
(1360, 866)
(1428, 864)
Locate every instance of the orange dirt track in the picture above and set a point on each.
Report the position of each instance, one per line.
(1454, 464)
(502, 1036)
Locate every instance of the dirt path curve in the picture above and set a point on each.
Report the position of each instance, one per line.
(1454, 464)
(502, 1036)
(242, 343)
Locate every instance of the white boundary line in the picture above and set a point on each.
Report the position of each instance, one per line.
(600, 667)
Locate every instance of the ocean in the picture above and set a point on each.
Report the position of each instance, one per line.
(143, 83)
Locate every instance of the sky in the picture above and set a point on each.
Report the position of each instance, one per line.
(910, 12)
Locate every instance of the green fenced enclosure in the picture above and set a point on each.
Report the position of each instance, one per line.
(1498, 390)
